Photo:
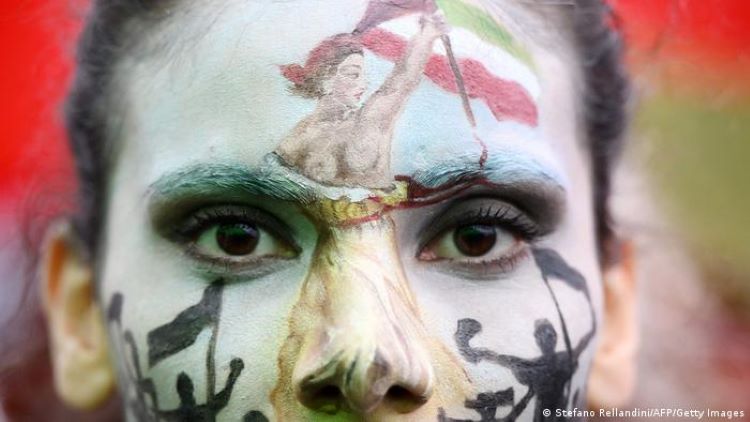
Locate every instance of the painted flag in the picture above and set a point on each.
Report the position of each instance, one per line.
(496, 71)
(480, 22)
(554, 266)
(181, 332)
(379, 11)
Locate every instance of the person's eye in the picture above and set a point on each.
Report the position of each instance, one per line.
(236, 235)
(480, 235)
(471, 241)
(239, 238)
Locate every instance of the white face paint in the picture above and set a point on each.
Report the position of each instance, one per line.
(326, 240)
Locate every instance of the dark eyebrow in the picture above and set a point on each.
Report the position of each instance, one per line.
(500, 166)
(525, 182)
(222, 180)
(520, 180)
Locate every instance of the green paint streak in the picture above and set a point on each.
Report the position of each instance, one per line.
(484, 26)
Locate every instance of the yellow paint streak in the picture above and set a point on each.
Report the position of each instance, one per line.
(342, 211)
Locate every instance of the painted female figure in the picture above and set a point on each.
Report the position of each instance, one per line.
(341, 142)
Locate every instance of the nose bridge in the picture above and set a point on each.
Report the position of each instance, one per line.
(368, 343)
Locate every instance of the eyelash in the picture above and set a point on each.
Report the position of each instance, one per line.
(503, 216)
(207, 217)
(517, 224)
(190, 229)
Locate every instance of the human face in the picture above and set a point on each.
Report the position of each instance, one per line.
(348, 84)
(246, 278)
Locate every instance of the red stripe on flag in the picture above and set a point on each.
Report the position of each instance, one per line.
(507, 100)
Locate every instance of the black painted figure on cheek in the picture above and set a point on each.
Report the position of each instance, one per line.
(165, 341)
(189, 411)
(548, 376)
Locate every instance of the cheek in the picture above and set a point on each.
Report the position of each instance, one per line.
(343, 85)
(507, 308)
(509, 311)
(180, 324)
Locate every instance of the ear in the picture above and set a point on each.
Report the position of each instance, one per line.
(613, 373)
(82, 370)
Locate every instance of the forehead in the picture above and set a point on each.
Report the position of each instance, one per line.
(210, 87)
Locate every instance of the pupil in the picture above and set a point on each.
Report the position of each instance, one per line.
(237, 238)
(475, 240)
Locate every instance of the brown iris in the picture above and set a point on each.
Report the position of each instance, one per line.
(237, 238)
(475, 239)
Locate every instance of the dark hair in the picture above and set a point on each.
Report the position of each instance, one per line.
(109, 34)
(605, 107)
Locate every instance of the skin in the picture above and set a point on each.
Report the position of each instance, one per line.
(351, 305)
(349, 83)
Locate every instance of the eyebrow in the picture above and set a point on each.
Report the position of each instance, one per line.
(500, 166)
(514, 177)
(228, 179)
(522, 180)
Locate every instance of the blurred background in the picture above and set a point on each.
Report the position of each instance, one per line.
(682, 195)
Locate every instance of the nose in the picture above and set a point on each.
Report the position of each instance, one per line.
(367, 349)
(360, 381)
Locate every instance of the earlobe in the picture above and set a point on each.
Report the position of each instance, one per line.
(80, 358)
(613, 374)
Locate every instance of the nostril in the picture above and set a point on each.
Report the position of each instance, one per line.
(358, 383)
(398, 392)
(403, 400)
(329, 393)
(327, 398)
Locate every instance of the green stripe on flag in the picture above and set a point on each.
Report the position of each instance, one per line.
(483, 25)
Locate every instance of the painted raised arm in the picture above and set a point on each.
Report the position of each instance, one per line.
(389, 99)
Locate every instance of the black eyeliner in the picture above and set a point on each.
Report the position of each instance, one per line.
(481, 210)
(188, 228)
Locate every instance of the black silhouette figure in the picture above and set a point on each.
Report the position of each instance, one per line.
(547, 376)
(189, 410)
(553, 266)
(167, 340)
